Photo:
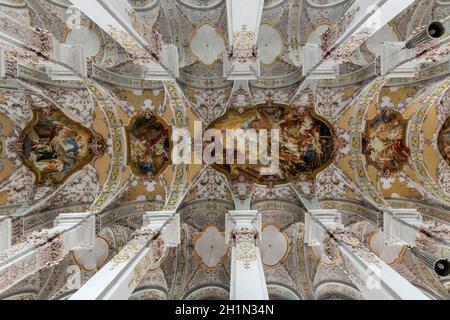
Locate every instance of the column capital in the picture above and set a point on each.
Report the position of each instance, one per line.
(156, 220)
(168, 222)
(164, 69)
(80, 228)
(243, 225)
(318, 222)
(313, 66)
(400, 225)
(71, 61)
(157, 245)
(47, 247)
(245, 234)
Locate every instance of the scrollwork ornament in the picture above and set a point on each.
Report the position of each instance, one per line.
(243, 39)
(51, 253)
(127, 253)
(158, 249)
(143, 235)
(242, 55)
(246, 252)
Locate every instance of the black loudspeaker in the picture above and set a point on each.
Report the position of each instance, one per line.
(435, 30)
(440, 265)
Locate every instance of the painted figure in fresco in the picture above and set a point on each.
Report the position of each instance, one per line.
(306, 143)
(149, 150)
(301, 143)
(383, 143)
(54, 146)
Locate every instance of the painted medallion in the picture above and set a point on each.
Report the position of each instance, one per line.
(148, 146)
(54, 146)
(384, 142)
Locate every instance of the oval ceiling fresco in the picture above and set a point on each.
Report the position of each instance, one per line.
(384, 142)
(148, 145)
(53, 146)
(306, 143)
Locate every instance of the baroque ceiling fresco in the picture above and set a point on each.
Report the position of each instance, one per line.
(384, 142)
(90, 103)
(54, 147)
(305, 146)
(148, 146)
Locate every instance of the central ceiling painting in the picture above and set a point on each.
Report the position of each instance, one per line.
(306, 142)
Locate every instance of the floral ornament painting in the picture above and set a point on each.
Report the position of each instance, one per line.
(307, 143)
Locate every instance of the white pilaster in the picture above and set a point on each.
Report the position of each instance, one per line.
(374, 278)
(362, 20)
(396, 61)
(243, 230)
(72, 56)
(46, 248)
(120, 276)
(400, 226)
(315, 220)
(241, 60)
(5, 233)
(313, 65)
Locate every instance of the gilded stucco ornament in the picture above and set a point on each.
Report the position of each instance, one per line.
(246, 253)
(153, 257)
(126, 254)
(109, 108)
(330, 37)
(49, 251)
(245, 240)
(109, 186)
(243, 39)
(154, 39)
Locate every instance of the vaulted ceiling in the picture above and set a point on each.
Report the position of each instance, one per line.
(112, 114)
